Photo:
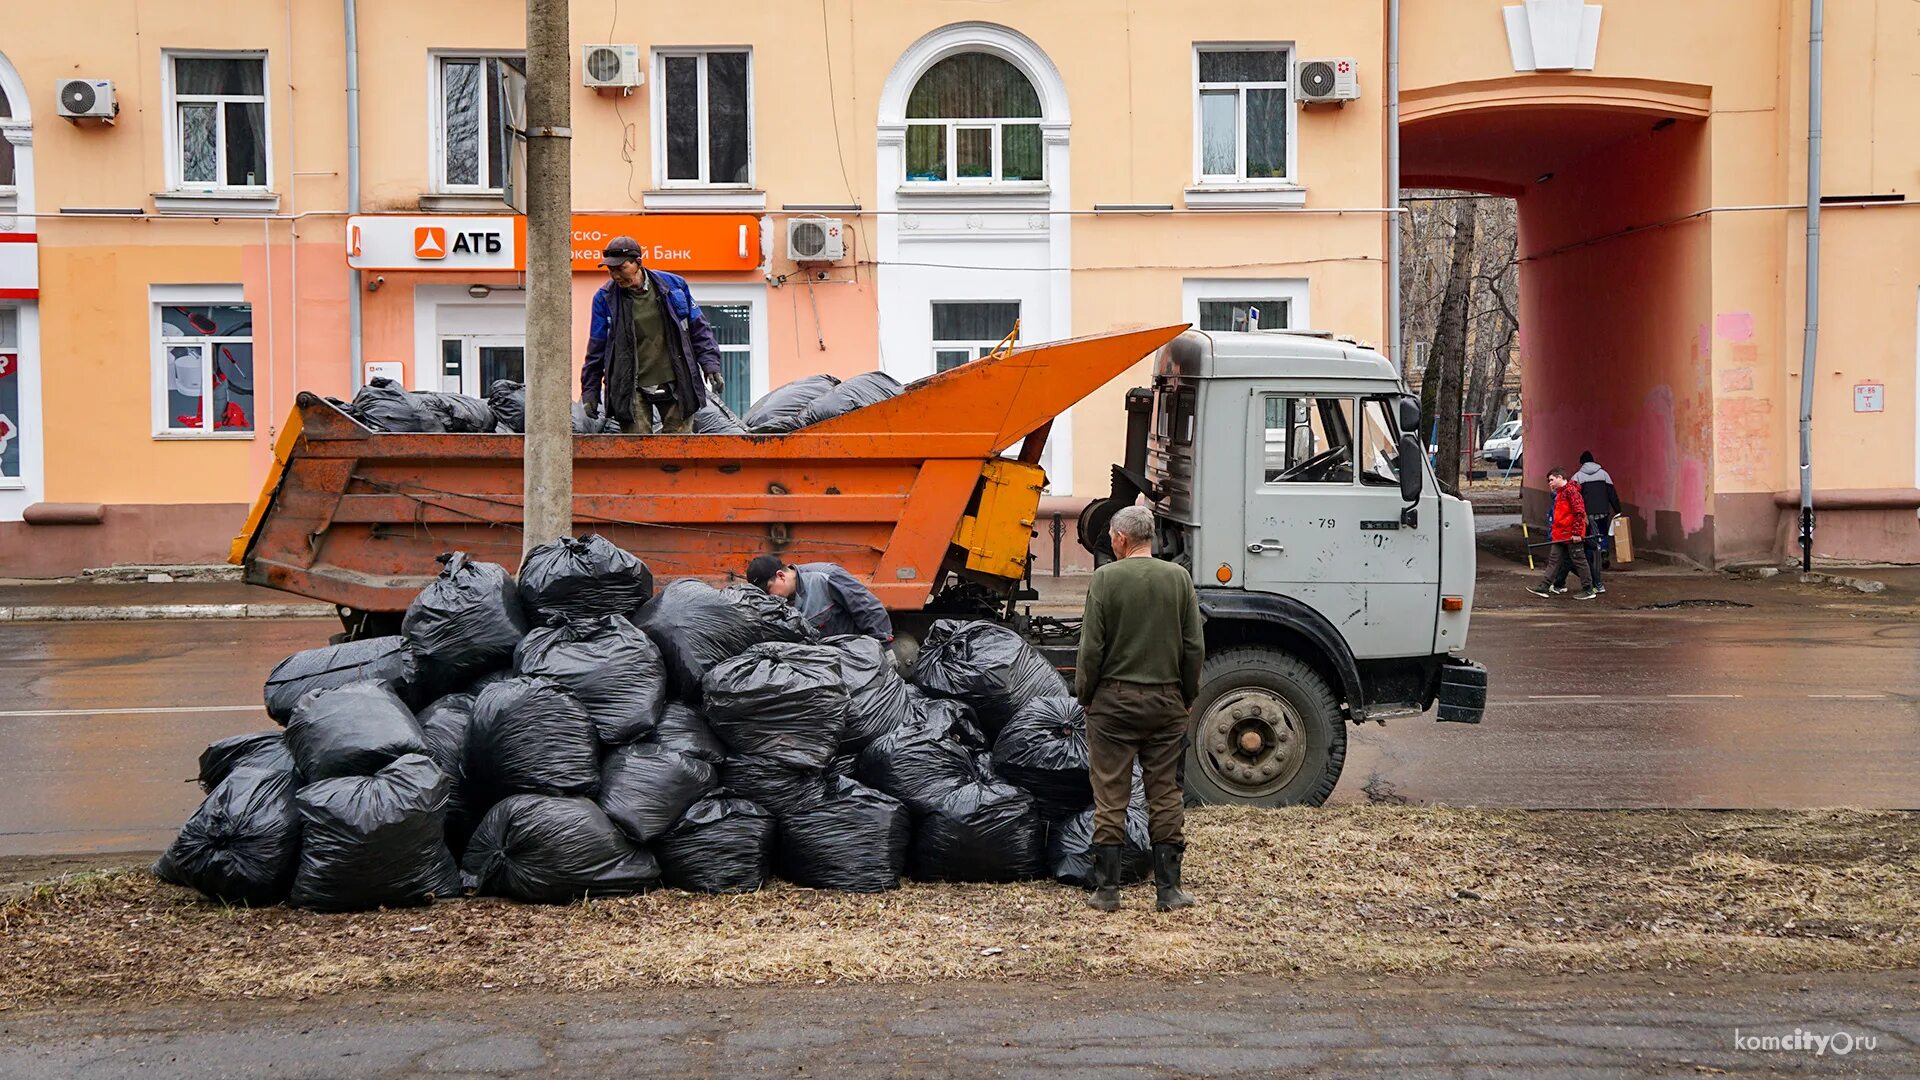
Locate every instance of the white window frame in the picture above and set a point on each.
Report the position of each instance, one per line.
(1292, 290)
(993, 126)
(11, 335)
(755, 297)
(159, 296)
(979, 348)
(1201, 178)
(437, 116)
(1286, 308)
(659, 125)
(175, 166)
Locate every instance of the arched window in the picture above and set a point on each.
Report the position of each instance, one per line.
(973, 118)
(6, 148)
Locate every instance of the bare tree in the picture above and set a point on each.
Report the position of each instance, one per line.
(1442, 387)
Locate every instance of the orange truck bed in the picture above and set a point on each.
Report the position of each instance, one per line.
(901, 493)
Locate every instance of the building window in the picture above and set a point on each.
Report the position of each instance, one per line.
(733, 331)
(205, 378)
(1242, 110)
(9, 393)
(973, 118)
(471, 126)
(704, 111)
(1269, 313)
(6, 147)
(219, 130)
(970, 330)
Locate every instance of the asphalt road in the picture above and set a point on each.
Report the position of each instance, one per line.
(1775, 706)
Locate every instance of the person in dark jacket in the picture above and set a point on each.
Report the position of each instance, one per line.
(830, 599)
(651, 354)
(1603, 503)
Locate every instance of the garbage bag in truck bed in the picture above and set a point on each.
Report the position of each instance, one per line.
(544, 849)
(779, 700)
(584, 576)
(722, 844)
(855, 393)
(243, 843)
(697, 627)
(1043, 751)
(714, 418)
(352, 730)
(381, 659)
(853, 839)
(986, 665)
(508, 399)
(780, 411)
(607, 663)
(385, 405)
(375, 841)
(464, 624)
(456, 413)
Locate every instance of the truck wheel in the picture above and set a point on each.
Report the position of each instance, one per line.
(1266, 731)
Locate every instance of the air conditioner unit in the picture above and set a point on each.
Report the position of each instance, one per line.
(1336, 79)
(88, 99)
(816, 239)
(611, 67)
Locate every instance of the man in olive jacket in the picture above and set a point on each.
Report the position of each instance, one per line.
(1138, 673)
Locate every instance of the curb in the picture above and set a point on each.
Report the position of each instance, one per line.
(129, 612)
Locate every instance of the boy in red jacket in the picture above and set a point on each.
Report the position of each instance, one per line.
(1569, 538)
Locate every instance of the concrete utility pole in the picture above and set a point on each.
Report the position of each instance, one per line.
(549, 443)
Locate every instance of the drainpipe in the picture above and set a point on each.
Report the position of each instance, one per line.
(1810, 344)
(353, 185)
(1393, 185)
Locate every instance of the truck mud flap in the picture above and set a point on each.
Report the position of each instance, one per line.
(1463, 692)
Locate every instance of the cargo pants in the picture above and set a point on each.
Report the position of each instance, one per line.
(671, 420)
(1126, 721)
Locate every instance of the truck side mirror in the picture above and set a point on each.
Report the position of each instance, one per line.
(1413, 478)
(1409, 413)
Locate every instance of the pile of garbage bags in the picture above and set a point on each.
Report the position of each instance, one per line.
(570, 732)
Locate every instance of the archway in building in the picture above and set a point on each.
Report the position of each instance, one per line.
(1614, 278)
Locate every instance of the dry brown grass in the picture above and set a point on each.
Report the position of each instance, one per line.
(1358, 890)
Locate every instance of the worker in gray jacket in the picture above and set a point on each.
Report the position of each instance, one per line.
(831, 600)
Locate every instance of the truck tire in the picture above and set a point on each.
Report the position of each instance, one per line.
(1265, 731)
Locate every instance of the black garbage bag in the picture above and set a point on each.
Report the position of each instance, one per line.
(926, 759)
(853, 839)
(984, 831)
(258, 750)
(602, 424)
(544, 849)
(531, 736)
(375, 841)
(780, 411)
(857, 392)
(241, 846)
(1069, 858)
(986, 665)
(508, 399)
(644, 788)
(463, 625)
(845, 766)
(1043, 751)
(457, 413)
(385, 405)
(445, 724)
(683, 729)
(698, 627)
(714, 418)
(381, 659)
(613, 668)
(876, 694)
(722, 844)
(780, 788)
(781, 701)
(352, 730)
(584, 577)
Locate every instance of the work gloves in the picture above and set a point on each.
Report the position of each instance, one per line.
(717, 383)
(591, 399)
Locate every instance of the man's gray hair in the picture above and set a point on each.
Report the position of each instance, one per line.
(1133, 522)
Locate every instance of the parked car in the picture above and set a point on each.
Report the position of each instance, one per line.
(1502, 448)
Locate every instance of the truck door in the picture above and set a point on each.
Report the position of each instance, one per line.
(1324, 525)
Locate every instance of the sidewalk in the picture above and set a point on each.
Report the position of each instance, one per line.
(87, 601)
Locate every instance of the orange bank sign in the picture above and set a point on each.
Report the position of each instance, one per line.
(469, 242)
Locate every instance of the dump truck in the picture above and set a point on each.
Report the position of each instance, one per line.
(1283, 469)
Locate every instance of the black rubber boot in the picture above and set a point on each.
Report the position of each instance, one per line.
(1166, 877)
(1106, 878)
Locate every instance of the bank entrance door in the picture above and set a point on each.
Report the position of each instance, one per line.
(472, 363)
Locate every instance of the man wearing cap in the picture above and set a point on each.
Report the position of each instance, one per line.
(651, 356)
(830, 599)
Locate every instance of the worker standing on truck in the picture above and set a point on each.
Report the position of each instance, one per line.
(650, 345)
(832, 601)
(1138, 673)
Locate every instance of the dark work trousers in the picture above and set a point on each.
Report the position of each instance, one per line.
(1565, 551)
(1596, 542)
(1128, 720)
(671, 422)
